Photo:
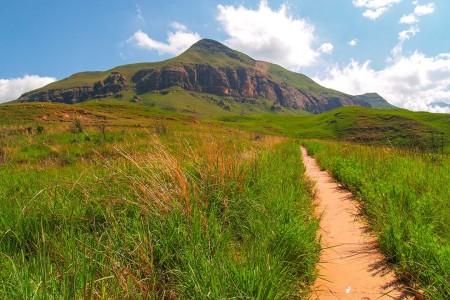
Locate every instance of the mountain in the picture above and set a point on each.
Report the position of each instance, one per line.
(375, 101)
(208, 78)
(440, 104)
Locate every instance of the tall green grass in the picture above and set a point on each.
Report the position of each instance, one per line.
(205, 219)
(406, 197)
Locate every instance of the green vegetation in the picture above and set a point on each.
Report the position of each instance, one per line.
(219, 75)
(405, 196)
(111, 201)
(376, 101)
(400, 128)
(107, 199)
(300, 81)
(200, 105)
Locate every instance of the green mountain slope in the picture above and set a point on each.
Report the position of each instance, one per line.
(375, 101)
(403, 128)
(206, 80)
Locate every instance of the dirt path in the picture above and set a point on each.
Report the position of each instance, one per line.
(350, 265)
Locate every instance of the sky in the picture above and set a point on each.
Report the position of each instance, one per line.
(397, 48)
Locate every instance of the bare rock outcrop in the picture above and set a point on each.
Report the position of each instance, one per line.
(113, 84)
(235, 82)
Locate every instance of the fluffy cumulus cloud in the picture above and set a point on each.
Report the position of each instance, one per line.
(414, 82)
(177, 41)
(374, 8)
(11, 89)
(272, 35)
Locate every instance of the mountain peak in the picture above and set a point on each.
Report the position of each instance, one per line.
(206, 67)
(375, 101)
(210, 46)
(207, 48)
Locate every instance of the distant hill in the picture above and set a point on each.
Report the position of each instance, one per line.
(375, 101)
(396, 127)
(440, 104)
(358, 124)
(208, 79)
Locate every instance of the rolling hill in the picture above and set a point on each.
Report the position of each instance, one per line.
(397, 127)
(208, 79)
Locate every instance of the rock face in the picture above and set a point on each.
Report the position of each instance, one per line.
(236, 82)
(68, 96)
(208, 67)
(113, 84)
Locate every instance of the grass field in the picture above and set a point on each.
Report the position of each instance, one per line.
(406, 197)
(107, 199)
(154, 206)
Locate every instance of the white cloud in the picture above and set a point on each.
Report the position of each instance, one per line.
(179, 26)
(326, 48)
(353, 42)
(373, 14)
(413, 82)
(409, 19)
(375, 8)
(177, 41)
(374, 3)
(420, 10)
(139, 16)
(439, 109)
(11, 89)
(407, 34)
(272, 35)
(426, 9)
(403, 36)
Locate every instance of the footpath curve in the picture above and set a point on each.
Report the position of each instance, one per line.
(350, 267)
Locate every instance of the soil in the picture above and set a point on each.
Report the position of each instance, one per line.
(351, 266)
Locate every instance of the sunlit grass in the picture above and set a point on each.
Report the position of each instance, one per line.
(406, 196)
(189, 215)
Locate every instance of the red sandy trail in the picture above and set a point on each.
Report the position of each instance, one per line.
(350, 267)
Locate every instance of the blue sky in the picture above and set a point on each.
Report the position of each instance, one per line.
(398, 48)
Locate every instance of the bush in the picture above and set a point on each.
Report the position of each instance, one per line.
(40, 129)
(77, 126)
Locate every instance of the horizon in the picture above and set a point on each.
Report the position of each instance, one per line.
(394, 48)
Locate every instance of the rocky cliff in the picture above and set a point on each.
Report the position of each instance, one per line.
(237, 82)
(110, 86)
(208, 67)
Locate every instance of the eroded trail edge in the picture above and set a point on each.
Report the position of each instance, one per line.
(350, 267)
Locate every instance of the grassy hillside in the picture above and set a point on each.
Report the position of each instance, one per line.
(207, 67)
(376, 101)
(194, 55)
(381, 127)
(402, 128)
(300, 81)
